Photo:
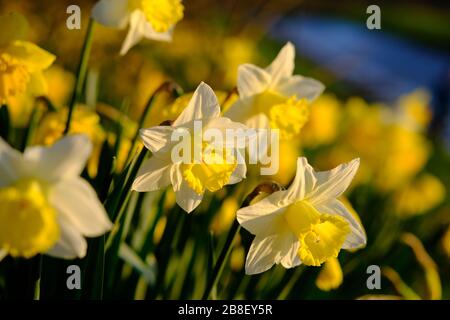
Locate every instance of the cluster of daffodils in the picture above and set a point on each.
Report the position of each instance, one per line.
(47, 208)
(304, 224)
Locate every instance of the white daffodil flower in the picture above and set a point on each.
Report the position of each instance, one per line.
(305, 223)
(150, 19)
(46, 207)
(189, 178)
(274, 97)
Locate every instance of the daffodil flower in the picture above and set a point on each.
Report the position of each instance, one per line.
(46, 207)
(21, 62)
(191, 180)
(151, 19)
(274, 97)
(305, 223)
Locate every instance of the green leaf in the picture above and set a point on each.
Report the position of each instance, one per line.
(146, 270)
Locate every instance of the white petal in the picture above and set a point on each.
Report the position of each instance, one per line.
(263, 217)
(251, 80)
(301, 87)
(240, 110)
(10, 164)
(357, 237)
(77, 201)
(331, 184)
(259, 145)
(236, 131)
(187, 198)
(111, 13)
(154, 174)
(291, 258)
(176, 177)
(267, 251)
(283, 65)
(66, 158)
(135, 32)
(304, 181)
(156, 138)
(241, 169)
(71, 243)
(203, 105)
(258, 121)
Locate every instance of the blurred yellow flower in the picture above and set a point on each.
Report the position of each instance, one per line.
(21, 62)
(392, 153)
(226, 215)
(237, 258)
(404, 153)
(289, 153)
(84, 120)
(421, 195)
(46, 207)
(237, 50)
(322, 125)
(446, 242)
(330, 276)
(21, 66)
(414, 109)
(60, 83)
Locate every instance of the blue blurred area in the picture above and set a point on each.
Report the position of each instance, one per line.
(381, 64)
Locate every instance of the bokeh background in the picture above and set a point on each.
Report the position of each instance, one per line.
(386, 101)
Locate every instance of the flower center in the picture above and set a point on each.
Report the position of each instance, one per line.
(161, 14)
(28, 223)
(321, 235)
(14, 77)
(213, 171)
(288, 115)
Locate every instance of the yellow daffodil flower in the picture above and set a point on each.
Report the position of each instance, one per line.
(305, 223)
(151, 19)
(273, 96)
(189, 180)
(45, 206)
(21, 62)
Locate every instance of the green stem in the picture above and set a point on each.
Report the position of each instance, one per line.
(223, 257)
(30, 128)
(81, 72)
